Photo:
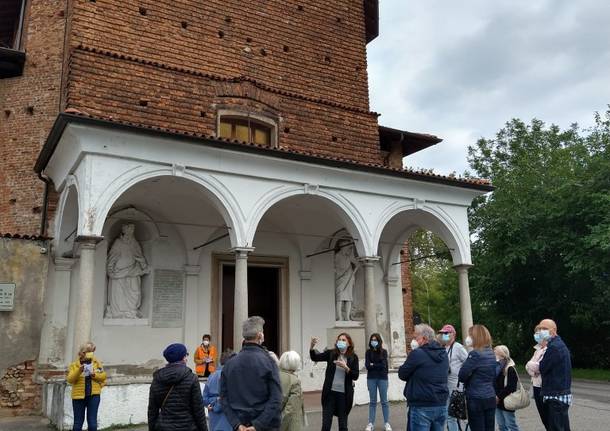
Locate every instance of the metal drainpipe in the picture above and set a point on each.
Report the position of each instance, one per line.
(45, 204)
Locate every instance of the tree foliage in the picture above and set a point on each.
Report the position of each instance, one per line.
(542, 238)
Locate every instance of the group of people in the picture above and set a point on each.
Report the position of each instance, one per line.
(253, 390)
(438, 365)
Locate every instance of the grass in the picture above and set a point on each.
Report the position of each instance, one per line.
(580, 373)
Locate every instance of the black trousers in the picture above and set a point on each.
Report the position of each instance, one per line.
(540, 407)
(557, 415)
(481, 413)
(335, 405)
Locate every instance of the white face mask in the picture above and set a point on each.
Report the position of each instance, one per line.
(468, 341)
(414, 344)
(206, 343)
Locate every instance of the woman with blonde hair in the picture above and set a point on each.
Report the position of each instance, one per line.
(478, 373)
(293, 410)
(506, 383)
(87, 377)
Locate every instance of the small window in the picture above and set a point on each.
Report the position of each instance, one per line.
(246, 129)
(11, 21)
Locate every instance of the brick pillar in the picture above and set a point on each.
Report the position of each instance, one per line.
(407, 292)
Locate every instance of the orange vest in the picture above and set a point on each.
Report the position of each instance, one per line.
(201, 355)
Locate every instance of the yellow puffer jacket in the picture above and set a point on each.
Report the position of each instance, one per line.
(77, 379)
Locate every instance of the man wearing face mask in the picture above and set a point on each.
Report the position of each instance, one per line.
(533, 369)
(250, 389)
(556, 372)
(457, 355)
(426, 372)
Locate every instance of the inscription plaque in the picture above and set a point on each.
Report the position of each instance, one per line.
(7, 296)
(168, 298)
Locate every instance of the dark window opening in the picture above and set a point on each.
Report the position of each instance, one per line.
(12, 57)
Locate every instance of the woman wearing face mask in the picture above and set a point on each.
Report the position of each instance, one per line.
(478, 373)
(376, 362)
(338, 388)
(533, 369)
(205, 357)
(506, 384)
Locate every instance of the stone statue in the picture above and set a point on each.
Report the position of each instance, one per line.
(346, 266)
(125, 267)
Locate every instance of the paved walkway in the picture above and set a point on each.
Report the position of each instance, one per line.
(590, 412)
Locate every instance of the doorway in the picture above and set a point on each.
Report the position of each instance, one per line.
(264, 292)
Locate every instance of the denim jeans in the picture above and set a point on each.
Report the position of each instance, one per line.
(426, 418)
(507, 421)
(90, 404)
(481, 413)
(452, 423)
(382, 385)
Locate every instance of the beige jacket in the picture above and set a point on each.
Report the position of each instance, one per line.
(533, 365)
(293, 410)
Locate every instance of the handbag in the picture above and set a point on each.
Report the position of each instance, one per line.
(517, 400)
(457, 404)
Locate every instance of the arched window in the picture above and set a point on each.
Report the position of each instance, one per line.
(247, 129)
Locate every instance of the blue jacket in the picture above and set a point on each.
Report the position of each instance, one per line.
(556, 368)
(376, 363)
(426, 371)
(250, 389)
(478, 373)
(218, 421)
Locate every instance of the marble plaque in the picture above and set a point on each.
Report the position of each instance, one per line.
(7, 296)
(168, 298)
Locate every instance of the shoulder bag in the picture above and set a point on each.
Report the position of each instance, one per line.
(517, 400)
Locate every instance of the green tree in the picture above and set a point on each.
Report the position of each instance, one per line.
(542, 238)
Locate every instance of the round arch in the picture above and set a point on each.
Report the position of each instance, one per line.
(405, 217)
(216, 192)
(67, 220)
(349, 214)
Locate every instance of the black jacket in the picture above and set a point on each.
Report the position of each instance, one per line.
(250, 389)
(426, 371)
(376, 363)
(503, 391)
(556, 368)
(183, 408)
(352, 362)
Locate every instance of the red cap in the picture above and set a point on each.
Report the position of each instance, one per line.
(448, 329)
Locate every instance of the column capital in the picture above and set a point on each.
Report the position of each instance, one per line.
(463, 267)
(88, 241)
(369, 260)
(64, 263)
(192, 269)
(391, 280)
(242, 252)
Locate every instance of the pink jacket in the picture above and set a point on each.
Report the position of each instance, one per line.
(532, 367)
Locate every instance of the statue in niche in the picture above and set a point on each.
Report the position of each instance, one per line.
(346, 266)
(125, 267)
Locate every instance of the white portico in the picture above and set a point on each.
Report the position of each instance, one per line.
(228, 231)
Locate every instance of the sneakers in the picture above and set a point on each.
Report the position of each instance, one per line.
(387, 427)
(369, 427)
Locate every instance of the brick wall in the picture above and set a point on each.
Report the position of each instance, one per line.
(28, 106)
(19, 394)
(407, 292)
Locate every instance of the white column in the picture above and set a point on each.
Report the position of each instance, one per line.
(305, 276)
(240, 305)
(465, 305)
(84, 301)
(370, 301)
(53, 339)
(397, 344)
(191, 310)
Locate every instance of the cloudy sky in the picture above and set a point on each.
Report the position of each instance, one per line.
(461, 69)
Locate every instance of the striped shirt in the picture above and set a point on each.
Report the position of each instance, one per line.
(566, 399)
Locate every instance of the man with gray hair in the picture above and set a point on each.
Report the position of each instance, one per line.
(425, 371)
(250, 389)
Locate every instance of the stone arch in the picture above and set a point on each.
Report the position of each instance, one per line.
(214, 190)
(67, 221)
(430, 217)
(349, 214)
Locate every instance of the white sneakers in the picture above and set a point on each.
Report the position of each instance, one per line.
(370, 427)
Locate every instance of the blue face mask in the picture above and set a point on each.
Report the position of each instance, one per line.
(341, 345)
(537, 337)
(374, 344)
(545, 334)
(445, 338)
